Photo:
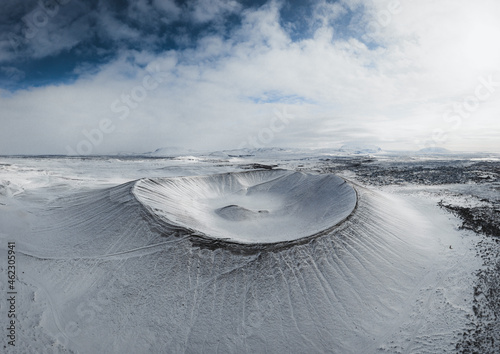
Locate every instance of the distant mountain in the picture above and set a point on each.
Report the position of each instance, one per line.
(170, 151)
(357, 148)
(434, 150)
(231, 153)
(246, 152)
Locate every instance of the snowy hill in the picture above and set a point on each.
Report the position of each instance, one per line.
(356, 148)
(434, 150)
(170, 151)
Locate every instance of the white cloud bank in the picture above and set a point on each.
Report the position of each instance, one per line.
(413, 74)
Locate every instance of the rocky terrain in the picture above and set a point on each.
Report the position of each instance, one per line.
(483, 333)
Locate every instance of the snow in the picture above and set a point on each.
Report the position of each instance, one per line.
(434, 150)
(109, 259)
(170, 151)
(250, 207)
(360, 148)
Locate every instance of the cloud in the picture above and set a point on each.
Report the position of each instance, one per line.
(223, 86)
(13, 73)
(168, 7)
(203, 11)
(48, 29)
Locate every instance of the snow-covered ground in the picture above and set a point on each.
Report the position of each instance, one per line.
(263, 207)
(101, 267)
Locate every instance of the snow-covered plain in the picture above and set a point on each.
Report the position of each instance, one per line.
(103, 266)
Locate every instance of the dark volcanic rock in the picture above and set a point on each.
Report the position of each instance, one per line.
(479, 219)
(483, 336)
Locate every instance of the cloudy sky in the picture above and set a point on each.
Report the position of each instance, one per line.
(107, 76)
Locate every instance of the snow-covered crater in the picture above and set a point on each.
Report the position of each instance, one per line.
(255, 207)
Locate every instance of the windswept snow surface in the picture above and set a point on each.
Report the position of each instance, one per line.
(104, 267)
(250, 207)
